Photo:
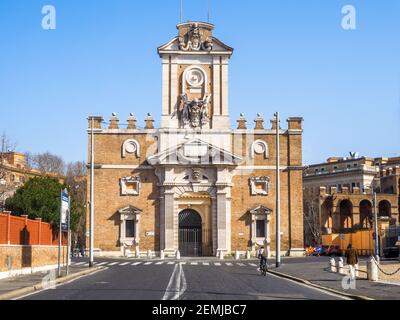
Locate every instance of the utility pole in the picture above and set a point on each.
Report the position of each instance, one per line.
(278, 195)
(376, 229)
(91, 226)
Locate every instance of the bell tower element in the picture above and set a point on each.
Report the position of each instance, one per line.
(195, 79)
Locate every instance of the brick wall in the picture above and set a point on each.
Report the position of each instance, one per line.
(23, 231)
(16, 257)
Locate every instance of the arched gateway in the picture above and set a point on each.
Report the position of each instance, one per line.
(190, 233)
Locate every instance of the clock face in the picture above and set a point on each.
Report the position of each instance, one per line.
(195, 78)
(130, 147)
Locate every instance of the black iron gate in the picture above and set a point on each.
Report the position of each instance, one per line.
(190, 234)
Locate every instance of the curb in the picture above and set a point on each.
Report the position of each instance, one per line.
(308, 283)
(24, 291)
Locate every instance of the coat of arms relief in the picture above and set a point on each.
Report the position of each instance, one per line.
(194, 40)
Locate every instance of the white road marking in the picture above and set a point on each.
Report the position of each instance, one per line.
(182, 263)
(124, 264)
(253, 265)
(135, 263)
(148, 263)
(240, 264)
(217, 264)
(170, 263)
(160, 263)
(100, 264)
(177, 284)
(311, 287)
(206, 264)
(194, 263)
(113, 263)
(79, 263)
(229, 264)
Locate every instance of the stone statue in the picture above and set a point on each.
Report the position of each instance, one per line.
(195, 112)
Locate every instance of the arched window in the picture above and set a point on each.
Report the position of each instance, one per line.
(346, 214)
(365, 214)
(385, 209)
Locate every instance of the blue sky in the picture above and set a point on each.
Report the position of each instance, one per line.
(292, 56)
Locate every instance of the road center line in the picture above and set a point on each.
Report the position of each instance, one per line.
(177, 284)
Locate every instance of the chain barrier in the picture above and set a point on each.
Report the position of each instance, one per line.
(383, 271)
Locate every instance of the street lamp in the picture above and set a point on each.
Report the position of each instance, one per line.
(278, 195)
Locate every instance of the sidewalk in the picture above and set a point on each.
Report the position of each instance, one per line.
(316, 273)
(21, 285)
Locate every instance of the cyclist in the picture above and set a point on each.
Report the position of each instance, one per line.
(263, 258)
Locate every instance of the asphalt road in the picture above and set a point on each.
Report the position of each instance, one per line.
(185, 280)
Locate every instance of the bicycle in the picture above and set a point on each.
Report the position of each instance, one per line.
(264, 268)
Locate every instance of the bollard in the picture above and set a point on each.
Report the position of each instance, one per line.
(340, 266)
(149, 254)
(237, 255)
(372, 270)
(248, 255)
(162, 255)
(178, 255)
(137, 253)
(332, 265)
(357, 274)
(221, 255)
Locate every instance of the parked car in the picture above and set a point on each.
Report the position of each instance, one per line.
(334, 250)
(391, 252)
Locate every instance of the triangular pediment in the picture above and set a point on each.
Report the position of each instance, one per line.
(130, 210)
(173, 47)
(260, 210)
(197, 152)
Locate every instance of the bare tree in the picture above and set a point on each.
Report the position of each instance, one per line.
(77, 182)
(312, 218)
(46, 162)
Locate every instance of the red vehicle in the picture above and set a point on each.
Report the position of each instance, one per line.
(334, 250)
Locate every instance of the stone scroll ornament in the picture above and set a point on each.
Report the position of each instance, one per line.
(195, 112)
(193, 41)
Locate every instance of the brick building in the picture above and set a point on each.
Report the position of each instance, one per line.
(338, 195)
(14, 172)
(194, 184)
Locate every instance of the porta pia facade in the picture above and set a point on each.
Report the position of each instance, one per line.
(195, 184)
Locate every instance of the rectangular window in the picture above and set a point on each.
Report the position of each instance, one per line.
(260, 228)
(129, 228)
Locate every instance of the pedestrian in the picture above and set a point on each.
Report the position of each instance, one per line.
(352, 260)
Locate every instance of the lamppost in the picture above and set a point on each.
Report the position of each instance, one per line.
(376, 228)
(91, 252)
(278, 195)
